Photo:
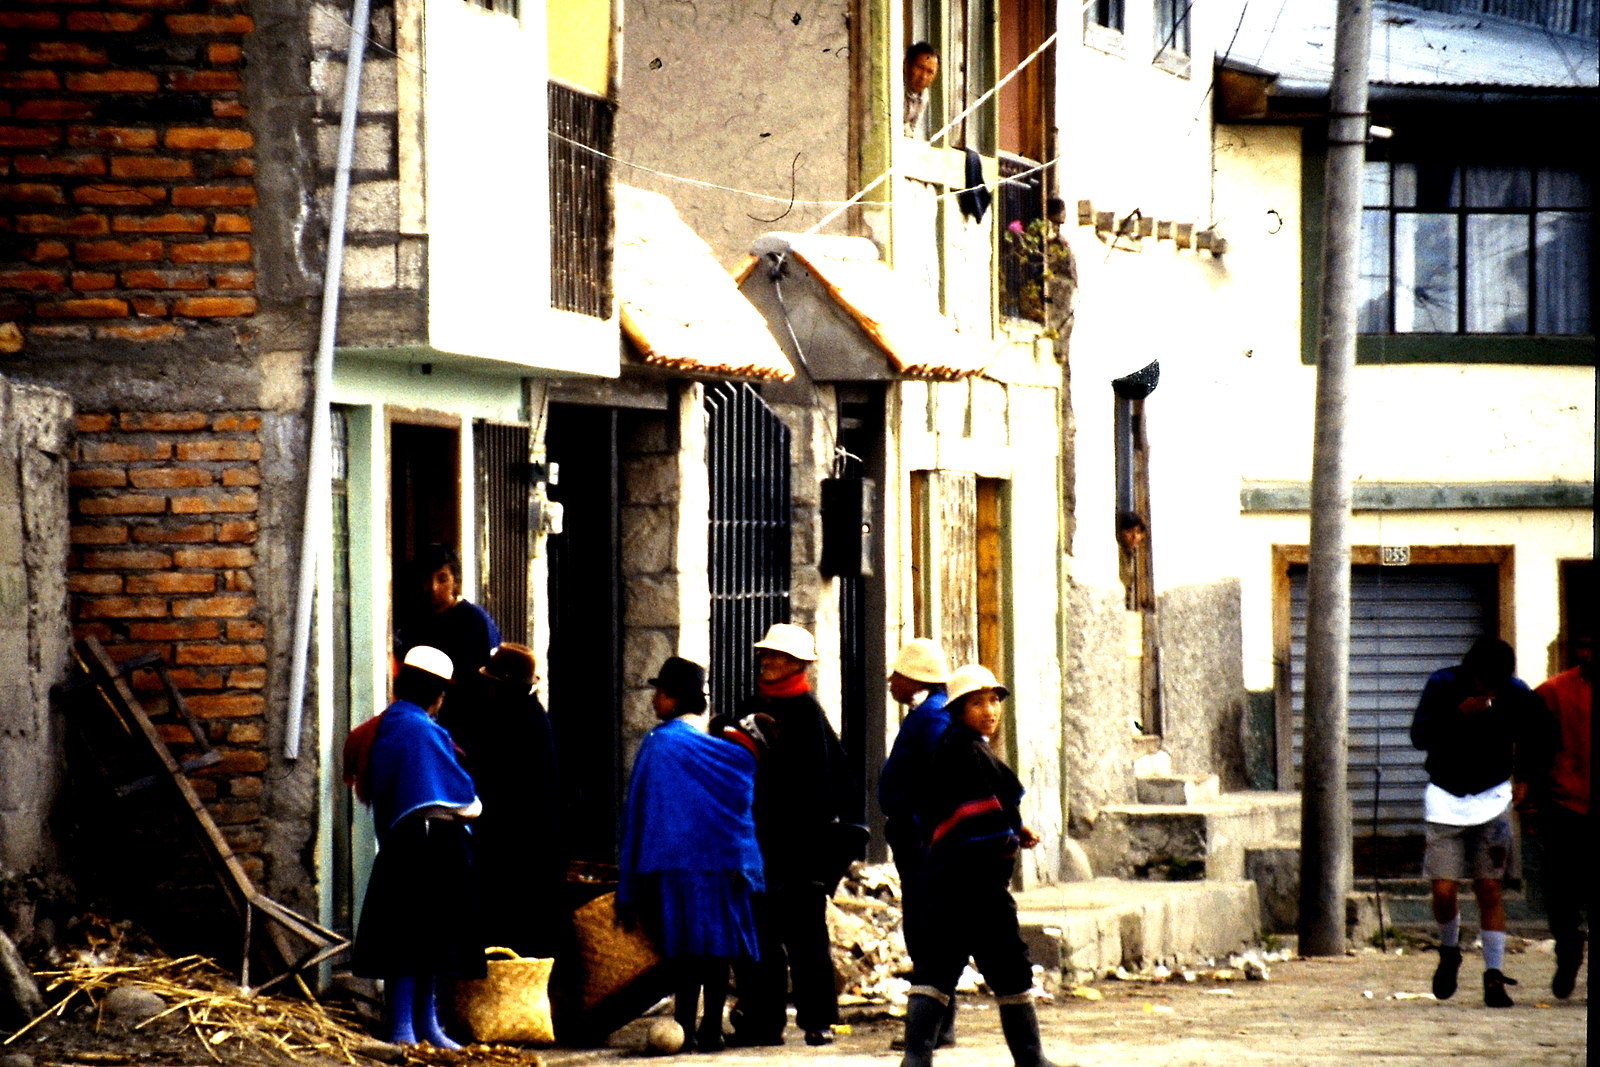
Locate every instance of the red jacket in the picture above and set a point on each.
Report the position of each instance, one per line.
(1567, 695)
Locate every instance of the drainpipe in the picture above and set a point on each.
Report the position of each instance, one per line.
(319, 466)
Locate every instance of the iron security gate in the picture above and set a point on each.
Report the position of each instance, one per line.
(504, 482)
(1405, 623)
(747, 460)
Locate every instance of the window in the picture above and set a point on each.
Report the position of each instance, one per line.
(963, 34)
(1106, 13)
(1172, 27)
(580, 202)
(1484, 249)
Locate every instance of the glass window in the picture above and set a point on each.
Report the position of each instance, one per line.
(1107, 13)
(1172, 25)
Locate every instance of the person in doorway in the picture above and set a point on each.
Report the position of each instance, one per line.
(916, 680)
(973, 830)
(457, 627)
(509, 749)
(798, 800)
(1470, 721)
(921, 68)
(1556, 808)
(689, 864)
(1131, 534)
(419, 920)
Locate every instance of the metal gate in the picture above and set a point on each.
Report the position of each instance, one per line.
(747, 461)
(504, 482)
(1405, 623)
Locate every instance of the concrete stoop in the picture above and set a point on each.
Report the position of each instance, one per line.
(1092, 928)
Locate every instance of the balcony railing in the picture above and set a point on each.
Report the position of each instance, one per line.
(1021, 275)
(580, 202)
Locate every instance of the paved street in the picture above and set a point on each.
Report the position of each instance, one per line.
(1362, 1009)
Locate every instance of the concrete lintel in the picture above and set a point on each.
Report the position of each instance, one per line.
(1425, 496)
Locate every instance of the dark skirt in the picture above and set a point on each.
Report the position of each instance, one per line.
(421, 913)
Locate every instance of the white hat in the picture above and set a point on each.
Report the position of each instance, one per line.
(922, 660)
(426, 658)
(791, 640)
(970, 679)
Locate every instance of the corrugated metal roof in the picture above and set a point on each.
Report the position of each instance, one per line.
(678, 306)
(1412, 47)
(900, 316)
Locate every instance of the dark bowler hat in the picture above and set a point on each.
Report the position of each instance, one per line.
(682, 680)
(511, 664)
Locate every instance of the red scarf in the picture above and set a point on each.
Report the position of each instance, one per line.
(793, 686)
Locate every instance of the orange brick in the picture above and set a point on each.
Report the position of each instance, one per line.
(204, 81)
(235, 503)
(188, 534)
(125, 451)
(127, 560)
(220, 655)
(111, 137)
(224, 53)
(214, 196)
(210, 252)
(97, 630)
(122, 607)
(171, 478)
(244, 786)
(228, 450)
(113, 81)
(214, 607)
(244, 630)
(235, 279)
(238, 532)
(32, 193)
(29, 20)
(216, 558)
(172, 583)
(122, 505)
(57, 110)
(99, 535)
(111, 251)
(164, 279)
(245, 733)
(150, 307)
(67, 52)
(236, 423)
(76, 164)
(208, 138)
(48, 251)
(247, 678)
(210, 24)
(238, 582)
(79, 225)
(36, 280)
(91, 281)
(85, 308)
(187, 630)
(222, 706)
(28, 136)
(162, 421)
(150, 167)
(106, 22)
(231, 224)
(214, 307)
(24, 81)
(231, 166)
(141, 332)
(119, 195)
(241, 476)
(95, 583)
(188, 678)
(97, 477)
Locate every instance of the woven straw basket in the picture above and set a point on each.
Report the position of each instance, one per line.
(512, 1004)
(612, 958)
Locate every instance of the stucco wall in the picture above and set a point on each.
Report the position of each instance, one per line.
(1202, 682)
(1099, 705)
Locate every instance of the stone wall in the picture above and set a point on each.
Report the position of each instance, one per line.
(1202, 682)
(1099, 705)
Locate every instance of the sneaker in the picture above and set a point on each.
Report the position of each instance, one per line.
(1494, 989)
(1444, 977)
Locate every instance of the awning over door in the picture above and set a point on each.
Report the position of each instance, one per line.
(679, 308)
(853, 317)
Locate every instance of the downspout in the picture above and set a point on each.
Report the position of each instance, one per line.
(319, 466)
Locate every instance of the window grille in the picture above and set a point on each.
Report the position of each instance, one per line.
(580, 202)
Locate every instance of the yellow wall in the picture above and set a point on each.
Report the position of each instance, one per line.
(579, 34)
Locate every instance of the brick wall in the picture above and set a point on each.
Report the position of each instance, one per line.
(126, 170)
(164, 531)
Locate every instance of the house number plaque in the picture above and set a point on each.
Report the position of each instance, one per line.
(1395, 555)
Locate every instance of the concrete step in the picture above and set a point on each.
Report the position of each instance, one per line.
(1092, 928)
(1190, 842)
(1176, 789)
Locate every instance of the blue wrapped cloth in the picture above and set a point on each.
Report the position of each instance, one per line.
(413, 765)
(688, 861)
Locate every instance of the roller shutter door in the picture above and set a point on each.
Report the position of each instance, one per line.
(1406, 623)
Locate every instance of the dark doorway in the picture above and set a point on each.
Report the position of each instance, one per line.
(585, 667)
(861, 608)
(505, 480)
(424, 506)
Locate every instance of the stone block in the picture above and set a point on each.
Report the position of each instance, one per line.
(1275, 869)
(1175, 789)
(648, 540)
(651, 602)
(369, 267)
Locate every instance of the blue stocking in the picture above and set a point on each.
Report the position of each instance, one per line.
(427, 1015)
(399, 993)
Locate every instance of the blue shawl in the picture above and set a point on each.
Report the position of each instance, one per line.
(413, 766)
(911, 759)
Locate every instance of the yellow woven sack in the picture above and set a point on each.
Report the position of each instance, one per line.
(511, 1004)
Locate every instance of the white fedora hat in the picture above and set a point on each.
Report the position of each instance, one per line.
(970, 679)
(791, 640)
(922, 660)
(430, 659)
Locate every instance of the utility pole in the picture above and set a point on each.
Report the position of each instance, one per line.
(1325, 860)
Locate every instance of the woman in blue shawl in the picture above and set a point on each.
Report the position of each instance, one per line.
(688, 860)
(419, 919)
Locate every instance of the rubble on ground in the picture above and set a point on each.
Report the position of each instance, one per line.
(869, 946)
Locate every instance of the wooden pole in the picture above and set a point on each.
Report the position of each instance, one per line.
(1325, 845)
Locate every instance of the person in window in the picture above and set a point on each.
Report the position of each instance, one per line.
(688, 863)
(419, 920)
(972, 831)
(457, 627)
(1131, 533)
(1471, 721)
(921, 68)
(798, 800)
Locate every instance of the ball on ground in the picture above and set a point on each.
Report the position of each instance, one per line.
(665, 1037)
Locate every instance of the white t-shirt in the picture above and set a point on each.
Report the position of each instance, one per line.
(1444, 807)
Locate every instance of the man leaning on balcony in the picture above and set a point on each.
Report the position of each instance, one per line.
(922, 67)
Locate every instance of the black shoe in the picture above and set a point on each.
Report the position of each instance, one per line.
(1494, 989)
(819, 1037)
(1568, 961)
(1444, 977)
(710, 1039)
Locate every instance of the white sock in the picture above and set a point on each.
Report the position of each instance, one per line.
(1494, 948)
(1450, 932)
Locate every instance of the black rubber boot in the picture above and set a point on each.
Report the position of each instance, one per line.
(1020, 1024)
(924, 1017)
(1494, 989)
(1569, 959)
(1444, 976)
(947, 1026)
